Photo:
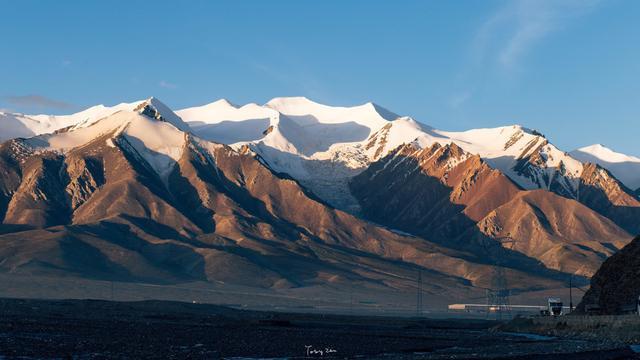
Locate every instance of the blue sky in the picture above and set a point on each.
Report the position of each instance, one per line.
(570, 69)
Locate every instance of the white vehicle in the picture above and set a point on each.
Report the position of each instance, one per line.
(554, 307)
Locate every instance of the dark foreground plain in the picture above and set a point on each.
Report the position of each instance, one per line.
(92, 329)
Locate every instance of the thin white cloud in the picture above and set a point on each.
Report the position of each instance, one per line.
(515, 28)
(166, 84)
(459, 99)
(502, 42)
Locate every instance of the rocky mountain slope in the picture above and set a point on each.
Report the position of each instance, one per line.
(323, 147)
(616, 285)
(276, 196)
(457, 199)
(600, 191)
(133, 197)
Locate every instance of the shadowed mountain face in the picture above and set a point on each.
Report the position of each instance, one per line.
(10, 175)
(230, 132)
(116, 205)
(616, 285)
(425, 191)
(456, 199)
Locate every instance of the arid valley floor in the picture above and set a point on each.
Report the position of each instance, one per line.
(92, 329)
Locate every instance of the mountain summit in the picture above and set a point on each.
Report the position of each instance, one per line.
(624, 167)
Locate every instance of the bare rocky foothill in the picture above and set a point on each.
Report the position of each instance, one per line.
(615, 287)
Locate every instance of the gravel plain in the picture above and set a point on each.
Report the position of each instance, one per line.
(96, 329)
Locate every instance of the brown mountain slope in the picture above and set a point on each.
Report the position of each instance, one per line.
(440, 190)
(564, 234)
(40, 200)
(452, 197)
(114, 206)
(10, 174)
(600, 191)
(616, 285)
(130, 188)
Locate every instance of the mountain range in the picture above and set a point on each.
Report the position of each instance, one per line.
(295, 194)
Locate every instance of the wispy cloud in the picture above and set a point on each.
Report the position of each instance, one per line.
(166, 84)
(459, 99)
(501, 42)
(512, 31)
(38, 101)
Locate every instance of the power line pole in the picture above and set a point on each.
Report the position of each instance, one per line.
(570, 293)
(419, 295)
(351, 299)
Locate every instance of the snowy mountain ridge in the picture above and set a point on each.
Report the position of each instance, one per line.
(148, 127)
(624, 167)
(324, 146)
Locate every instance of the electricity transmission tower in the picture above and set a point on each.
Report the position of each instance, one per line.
(498, 295)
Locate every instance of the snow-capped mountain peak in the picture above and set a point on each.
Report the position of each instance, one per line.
(624, 167)
(383, 112)
(606, 154)
(301, 137)
(13, 125)
(158, 110)
(146, 129)
(368, 113)
(329, 144)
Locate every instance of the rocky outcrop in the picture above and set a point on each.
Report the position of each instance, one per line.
(41, 200)
(616, 285)
(10, 174)
(378, 141)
